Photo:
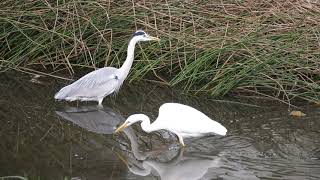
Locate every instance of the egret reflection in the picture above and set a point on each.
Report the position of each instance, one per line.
(165, 162)
(181, 166)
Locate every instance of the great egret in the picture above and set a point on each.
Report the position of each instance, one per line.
(182, 120)
(182, 166)
(100, 83)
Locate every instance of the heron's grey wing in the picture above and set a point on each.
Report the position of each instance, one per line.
(98, 83)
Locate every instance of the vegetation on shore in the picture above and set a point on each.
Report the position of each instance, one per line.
(249, 47)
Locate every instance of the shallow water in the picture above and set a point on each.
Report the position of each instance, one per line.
(41, 138)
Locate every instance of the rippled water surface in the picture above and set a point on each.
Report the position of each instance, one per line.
(44, 139)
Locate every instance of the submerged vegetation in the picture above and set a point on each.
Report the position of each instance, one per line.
(266, 48)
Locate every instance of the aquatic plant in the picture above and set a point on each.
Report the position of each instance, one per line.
(267, 48)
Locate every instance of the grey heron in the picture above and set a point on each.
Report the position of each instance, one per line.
(182, 120)
(102, 82)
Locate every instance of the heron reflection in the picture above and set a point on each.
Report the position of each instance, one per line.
(99, 120)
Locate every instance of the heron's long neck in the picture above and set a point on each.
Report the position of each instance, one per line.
(126, 66)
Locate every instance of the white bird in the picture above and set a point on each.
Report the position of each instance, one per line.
(182, 120)
(102, 82)
(190, 166)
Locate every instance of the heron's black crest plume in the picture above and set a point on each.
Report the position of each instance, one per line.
(139, 33)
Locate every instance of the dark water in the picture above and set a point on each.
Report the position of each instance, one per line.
(43, 139)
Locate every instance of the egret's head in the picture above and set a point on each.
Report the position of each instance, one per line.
(131, 120)
(143, 36)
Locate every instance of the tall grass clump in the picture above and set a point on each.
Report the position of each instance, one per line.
(251, 47)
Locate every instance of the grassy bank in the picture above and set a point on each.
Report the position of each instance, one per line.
(225, 47)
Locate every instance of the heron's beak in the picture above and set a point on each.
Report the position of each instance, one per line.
(123, 126)
(154, 38)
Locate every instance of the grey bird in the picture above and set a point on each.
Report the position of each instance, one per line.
(98, 84)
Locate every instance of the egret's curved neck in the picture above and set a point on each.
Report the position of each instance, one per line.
(145, 123)
(126, 66)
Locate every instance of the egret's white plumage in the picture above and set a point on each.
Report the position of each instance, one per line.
(183, 120)
(102, 82)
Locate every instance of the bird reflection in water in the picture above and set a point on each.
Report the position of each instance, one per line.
(183, 165)
(99, 120)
